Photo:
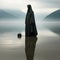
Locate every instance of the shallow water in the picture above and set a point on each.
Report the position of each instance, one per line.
(47, 46)
(12, 48)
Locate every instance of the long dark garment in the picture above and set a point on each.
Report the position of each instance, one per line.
(30, 26)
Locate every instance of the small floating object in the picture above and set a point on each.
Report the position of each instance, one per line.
(19, 35)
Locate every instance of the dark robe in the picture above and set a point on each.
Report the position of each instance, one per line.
(30, 26)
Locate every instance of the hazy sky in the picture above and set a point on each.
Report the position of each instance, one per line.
(38, 5)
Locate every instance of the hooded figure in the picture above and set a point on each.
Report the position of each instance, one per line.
(30, 26)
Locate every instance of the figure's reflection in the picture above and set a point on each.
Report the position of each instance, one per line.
(30, 44)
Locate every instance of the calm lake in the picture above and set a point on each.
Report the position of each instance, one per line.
(12, 48)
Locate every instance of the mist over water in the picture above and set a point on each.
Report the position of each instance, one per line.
(48, 39)
(12, 48)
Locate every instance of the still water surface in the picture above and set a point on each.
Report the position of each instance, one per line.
(12, 48)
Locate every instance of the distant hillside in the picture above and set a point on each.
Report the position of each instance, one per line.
(55, 16)
(53, 26)
(9, 14)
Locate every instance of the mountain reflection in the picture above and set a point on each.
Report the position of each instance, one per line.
(53, 26)
(30, 45)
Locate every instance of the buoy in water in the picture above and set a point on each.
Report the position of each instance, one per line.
(19, 35)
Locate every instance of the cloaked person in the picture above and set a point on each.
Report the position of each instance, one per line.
(30, 25)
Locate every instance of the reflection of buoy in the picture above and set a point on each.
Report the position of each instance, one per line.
(19, 35)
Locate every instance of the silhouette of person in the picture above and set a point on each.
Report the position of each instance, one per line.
(30, 44)
(30, 26)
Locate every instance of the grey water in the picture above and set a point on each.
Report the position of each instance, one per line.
(12, 48)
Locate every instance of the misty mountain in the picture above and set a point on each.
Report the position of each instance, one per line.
(9, 14)
(53, 22)
(55, 16)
